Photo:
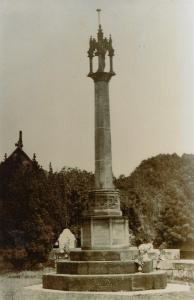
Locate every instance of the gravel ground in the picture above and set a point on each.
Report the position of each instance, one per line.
(11, 284)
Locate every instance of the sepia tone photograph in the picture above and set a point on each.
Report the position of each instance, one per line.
(97, 149)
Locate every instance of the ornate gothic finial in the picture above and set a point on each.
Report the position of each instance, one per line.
(19, 144)
(98, 11)
(5, 156)
(100, 47)
(34, 157)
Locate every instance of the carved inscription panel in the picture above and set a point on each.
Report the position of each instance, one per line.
(101, 233)
(118, 232)
(86, 234)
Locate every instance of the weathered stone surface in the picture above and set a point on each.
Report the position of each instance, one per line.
(171, 253)
(184, 275)
(169, 274)
(96, 267)
(104, 255)
(147, 266)
(104, 202)
(183, 270)
(178, 269)
(103, 154)
(154, 254)
(105, 232)
(142, 282)
(101, 267)
(165, 264)
(118, 282)
(155, 264)
(160, 281)
(183, 264)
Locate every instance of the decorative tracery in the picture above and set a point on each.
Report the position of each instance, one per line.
(100, 47)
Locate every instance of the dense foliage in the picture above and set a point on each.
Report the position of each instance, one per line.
(32, 212)
(35, 206)
(77, 183)
(158, 198)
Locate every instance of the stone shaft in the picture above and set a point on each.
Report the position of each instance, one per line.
(103, 155)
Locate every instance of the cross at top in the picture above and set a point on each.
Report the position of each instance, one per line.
(98, 11)
(19, 144)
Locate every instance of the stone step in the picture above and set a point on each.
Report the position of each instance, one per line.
(181, 269)
(169, 254)
(184, 264)
(180, 264)
(109, 283)
(104, 255)
(101, 267)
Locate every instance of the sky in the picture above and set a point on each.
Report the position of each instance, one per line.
(45, 91)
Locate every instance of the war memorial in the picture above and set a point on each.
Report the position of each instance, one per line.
(105, 267)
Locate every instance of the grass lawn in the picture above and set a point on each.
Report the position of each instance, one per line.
(11, 284)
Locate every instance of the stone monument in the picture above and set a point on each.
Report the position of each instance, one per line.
(105, 261)
(103, 225)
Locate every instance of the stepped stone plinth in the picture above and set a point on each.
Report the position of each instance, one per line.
(104, 255)
(104, 270)
(108, 282)
(101, 267)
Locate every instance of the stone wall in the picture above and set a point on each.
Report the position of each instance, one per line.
(176, 268)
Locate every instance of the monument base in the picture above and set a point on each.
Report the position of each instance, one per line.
(101, 267)
(104, 255)
(105, 282)
(105, 232)
(104, 271)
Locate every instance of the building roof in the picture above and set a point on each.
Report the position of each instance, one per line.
(18, 155)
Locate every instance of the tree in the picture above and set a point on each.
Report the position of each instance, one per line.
(77, 184)
(158, 198)
(32, 212)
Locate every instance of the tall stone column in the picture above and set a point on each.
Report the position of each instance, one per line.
(103, 225)
(103, 155)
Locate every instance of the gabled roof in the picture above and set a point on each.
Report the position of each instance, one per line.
(18, 155)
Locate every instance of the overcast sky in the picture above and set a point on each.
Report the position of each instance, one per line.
(45, 91)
